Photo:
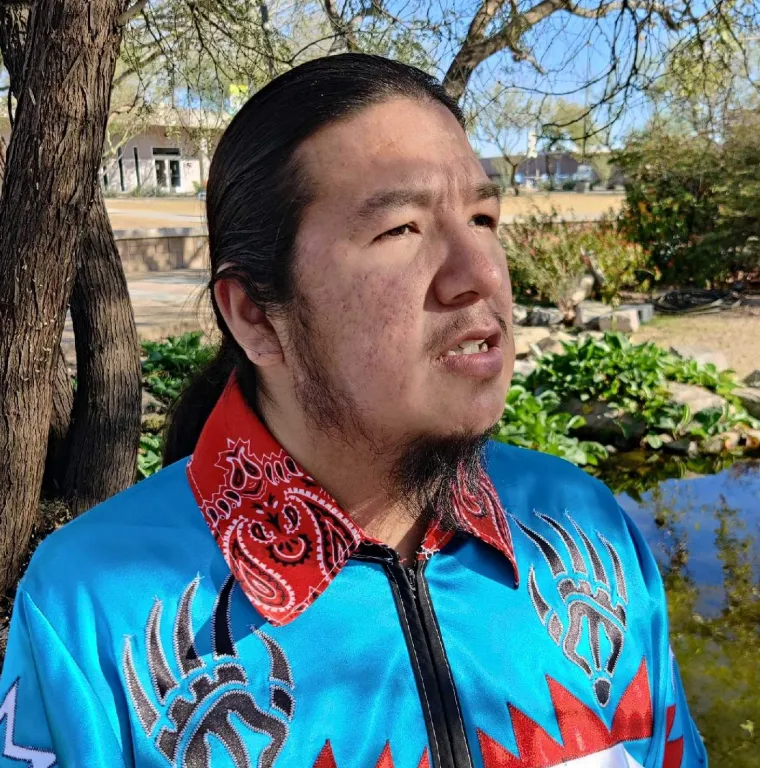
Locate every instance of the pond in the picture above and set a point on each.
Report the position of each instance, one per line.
(705, 533)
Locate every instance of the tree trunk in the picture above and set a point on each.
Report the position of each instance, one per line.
(63, 401)
(55, 150)
(105, 424)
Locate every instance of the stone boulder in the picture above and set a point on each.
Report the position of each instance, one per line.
(605, 424)
(626, 320)
(519, 314)
(544, 316)
(526, 337)
(701, 355)
(525, 367)
(553, 345)
(753, 379)
(587, 313)
(697, 398)
(750, 397)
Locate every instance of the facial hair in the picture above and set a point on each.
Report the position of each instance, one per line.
(428, 471)
(432, 472)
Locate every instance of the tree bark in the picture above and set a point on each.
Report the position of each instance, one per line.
(104, 434)
(63, 401)
(50, 180)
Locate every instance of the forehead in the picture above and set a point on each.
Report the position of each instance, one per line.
(393, 143)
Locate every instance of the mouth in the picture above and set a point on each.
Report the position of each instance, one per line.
(475, 342)
(476, 355)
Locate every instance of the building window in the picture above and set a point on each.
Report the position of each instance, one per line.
(137, 166)
(173, 151)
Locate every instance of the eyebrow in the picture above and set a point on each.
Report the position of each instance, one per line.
(393, 199)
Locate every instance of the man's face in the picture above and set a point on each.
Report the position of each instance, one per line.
(402, 275)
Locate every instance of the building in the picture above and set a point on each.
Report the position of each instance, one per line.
(161, 151)
(169, 151)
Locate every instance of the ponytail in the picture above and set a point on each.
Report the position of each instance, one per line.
(193, 407)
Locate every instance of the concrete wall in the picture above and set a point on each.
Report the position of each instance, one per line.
(161, 250)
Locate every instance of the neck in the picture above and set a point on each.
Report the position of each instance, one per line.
(355, 474)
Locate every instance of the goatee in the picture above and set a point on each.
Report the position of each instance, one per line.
(433, 472)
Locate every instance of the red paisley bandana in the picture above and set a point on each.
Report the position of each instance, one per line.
(282, 535)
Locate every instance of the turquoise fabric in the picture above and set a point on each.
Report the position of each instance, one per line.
(143, 567)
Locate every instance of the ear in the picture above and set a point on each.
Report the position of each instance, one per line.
(249, 326)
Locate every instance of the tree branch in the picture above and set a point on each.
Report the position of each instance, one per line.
(131, 12)
(343, 29)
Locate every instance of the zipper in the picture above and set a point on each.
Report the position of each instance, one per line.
(435, 683)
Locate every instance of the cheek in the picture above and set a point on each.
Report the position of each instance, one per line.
(374, 329)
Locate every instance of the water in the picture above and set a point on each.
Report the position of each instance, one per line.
(705, 533)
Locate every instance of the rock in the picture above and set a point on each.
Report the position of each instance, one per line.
(587, 313)
(750, 397)
(553, 345)
(626, 320)
(519, 314)
(583, 335)
(697, 398)
(753, 379)
(150, 404)
(726, 441)
(684, 446)
(544, 316)
(584, 290)
(752, 439)
(525, 337)
(525, 367)
(701, 355)
(644, 311)
(605, 424)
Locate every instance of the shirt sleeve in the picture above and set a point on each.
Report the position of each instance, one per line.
(49, 715)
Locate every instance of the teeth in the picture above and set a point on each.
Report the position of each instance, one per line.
(468, 348)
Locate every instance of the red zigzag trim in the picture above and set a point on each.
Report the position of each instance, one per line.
(582, 731)
(326, 759)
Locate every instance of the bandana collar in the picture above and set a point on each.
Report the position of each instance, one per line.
(282, 535)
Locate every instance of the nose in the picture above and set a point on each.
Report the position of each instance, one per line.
(474, 267)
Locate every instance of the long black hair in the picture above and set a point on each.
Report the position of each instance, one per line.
(256, 195)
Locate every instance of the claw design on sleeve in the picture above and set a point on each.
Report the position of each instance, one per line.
(587, 597)
(207, 694)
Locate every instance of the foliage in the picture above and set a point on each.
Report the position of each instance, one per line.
(547, 258)
(534, 421)
(170, 363)
(693, 202)
(634, 378)
(149, 455)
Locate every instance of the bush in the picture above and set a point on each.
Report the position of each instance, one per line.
(170, 363)
(546, 258)
(694, 203)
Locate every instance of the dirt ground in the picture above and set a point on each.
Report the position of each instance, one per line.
(160, 212)
(735, 333)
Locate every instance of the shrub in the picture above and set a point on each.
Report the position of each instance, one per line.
(693, 202)
(170, 363)
(546, 258)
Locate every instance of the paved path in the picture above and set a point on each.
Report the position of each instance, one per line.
(165, 304)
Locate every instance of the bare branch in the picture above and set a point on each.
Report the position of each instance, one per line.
(131, 12)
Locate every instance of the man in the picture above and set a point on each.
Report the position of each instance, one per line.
(345, 573)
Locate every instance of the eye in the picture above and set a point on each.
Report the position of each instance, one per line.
(404, 229)
(484, 220)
